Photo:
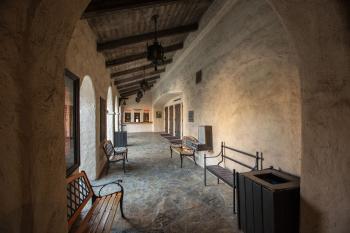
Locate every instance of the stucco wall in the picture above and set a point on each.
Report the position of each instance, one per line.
(250, 90)
(82, 59)
(34, 37)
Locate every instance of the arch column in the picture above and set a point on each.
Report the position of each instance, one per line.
(110, 115)
(88, 151)
(320, 33)
(32, 171)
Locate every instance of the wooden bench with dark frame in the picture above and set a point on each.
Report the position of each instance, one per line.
(183, 151)
(227, 176)
(102, 213)
(115, 154)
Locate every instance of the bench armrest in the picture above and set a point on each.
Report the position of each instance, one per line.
(104, 185)
(210, 157)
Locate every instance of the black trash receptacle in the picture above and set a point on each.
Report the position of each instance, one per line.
(120, 138)
(268, 202)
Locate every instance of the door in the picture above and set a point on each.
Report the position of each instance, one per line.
(166, 120)
(171, 120)
(178, 120)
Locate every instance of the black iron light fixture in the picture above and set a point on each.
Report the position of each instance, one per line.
(155, 52)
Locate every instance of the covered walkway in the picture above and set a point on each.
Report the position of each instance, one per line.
(162, 197)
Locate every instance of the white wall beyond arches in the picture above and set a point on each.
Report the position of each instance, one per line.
(88, 128)
(110, 114)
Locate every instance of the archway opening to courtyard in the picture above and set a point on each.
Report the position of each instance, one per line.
(88, 150)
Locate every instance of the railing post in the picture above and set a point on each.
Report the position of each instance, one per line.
(205, 170)
(257, 160)
(234, 191)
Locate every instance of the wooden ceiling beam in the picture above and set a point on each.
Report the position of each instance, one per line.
(137, 69)
(106, 7)
(126, 94)
(134, 85)
(139, 56)
(145, 37)
(139, 77)
(131, 89)
(137, 81)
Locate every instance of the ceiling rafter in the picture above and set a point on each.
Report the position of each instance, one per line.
(131, 89)
(139, 77)
(107, 7)
(134, 85)
(139, 56)
(137, 69)
(136, 81)
(113, 44)
(129, 93)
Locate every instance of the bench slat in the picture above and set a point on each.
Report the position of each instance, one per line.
(112, 214)
(106, 213)
(91, 215)
(222, 173)
(95, 223)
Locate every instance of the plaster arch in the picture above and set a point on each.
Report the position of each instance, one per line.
(158, 106)
(165, 98)
(32, 81)
(117, 112)
(88, 150)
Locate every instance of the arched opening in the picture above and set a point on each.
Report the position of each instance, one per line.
(35, 99)
(110, 115)
(169, 122)
(117, 114)
(88, 128)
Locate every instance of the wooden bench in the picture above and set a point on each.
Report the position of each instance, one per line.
(115, 154)
(102, 213)
(227, 176)
(183, 151)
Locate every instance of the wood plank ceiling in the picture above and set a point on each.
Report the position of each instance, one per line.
(124, 27)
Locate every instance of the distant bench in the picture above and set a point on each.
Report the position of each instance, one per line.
(180, 147)
(226, 175)
(103, 210)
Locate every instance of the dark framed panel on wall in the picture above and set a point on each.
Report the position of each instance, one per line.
(191, 116)
(71, 121)
(103, 119)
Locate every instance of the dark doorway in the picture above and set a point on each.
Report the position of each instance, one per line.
(178, 120)
(171, 120)
(166, 120)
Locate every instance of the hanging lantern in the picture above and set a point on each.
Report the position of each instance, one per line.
(139, 94)
(144, 85)
(155, 52)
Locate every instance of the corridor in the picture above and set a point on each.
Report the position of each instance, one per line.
(162, 197)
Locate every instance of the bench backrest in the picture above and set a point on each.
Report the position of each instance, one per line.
(257, 157)
(108, 148)
(79, 192)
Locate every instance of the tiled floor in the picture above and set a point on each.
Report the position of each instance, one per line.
(162, 197)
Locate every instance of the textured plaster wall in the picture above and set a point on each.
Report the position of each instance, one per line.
(250, 90)
(83, 59)
(34, 36)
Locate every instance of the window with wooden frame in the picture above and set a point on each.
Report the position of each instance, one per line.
(146, 117)
(137, 117)
(71, 121)
(127, 117)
